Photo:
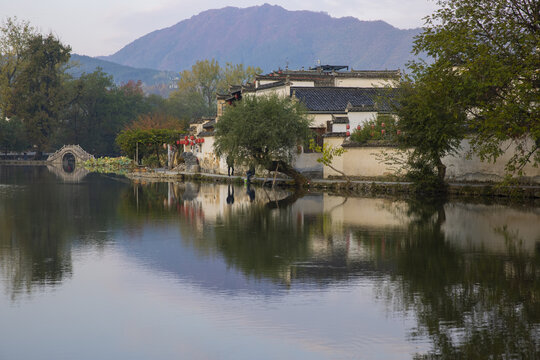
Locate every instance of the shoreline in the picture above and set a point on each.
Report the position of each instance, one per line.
(462, 189)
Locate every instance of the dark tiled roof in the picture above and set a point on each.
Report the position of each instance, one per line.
(205, 133)
(271, 85)
(315, 74)
(336, 99)
(209, 124)
(335, 134)
(341, 120)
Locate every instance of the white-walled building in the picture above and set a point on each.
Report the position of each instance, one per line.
(337, 100)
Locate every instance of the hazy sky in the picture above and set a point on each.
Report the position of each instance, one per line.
(102, 27)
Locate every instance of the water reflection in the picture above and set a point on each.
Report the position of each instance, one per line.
(468, 273)
(41, 221)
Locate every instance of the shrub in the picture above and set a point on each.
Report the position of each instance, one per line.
(383, 127)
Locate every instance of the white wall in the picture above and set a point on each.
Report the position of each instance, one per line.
(369, 162)
(459, 168)
(302, 83)
(282, 91)
(319, 120)
(360, 161)
(307, 162)
(360, 118)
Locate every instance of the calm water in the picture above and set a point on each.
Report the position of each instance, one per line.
(96, 267)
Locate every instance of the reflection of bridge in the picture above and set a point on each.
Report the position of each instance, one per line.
(68, 177)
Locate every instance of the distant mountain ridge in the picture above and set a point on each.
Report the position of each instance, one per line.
(270, 37)
(121, 73)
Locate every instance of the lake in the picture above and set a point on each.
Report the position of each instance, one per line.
(98, 267)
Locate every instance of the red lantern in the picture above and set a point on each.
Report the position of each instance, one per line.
(192, 137)
(185, 137)
(358, 127)
(192, 143)
(399, 132)
(177, 142)
(348, 133)
(202, 140)
(382, 124)
(382, 131)
(348, 126)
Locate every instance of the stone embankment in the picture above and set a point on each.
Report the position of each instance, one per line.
(355, 186)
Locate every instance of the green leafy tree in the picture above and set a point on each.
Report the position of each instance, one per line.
(87, 118)
(149, 133)
(491, 49)
(264, 131)
(200, 85)
(203, 78)
(186, 105)
(14, 38)
(433, 123)
(236, 74)
(38, 90)
(328, 152)
(12, 135)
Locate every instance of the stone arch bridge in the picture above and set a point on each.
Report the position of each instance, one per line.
(69, 153)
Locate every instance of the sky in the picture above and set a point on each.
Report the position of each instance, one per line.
(102, 27)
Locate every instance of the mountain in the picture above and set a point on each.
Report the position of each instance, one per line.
(270, 37)
(120, 73)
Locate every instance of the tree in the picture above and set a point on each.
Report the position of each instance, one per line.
(491, 49)
(432, 121)
(151, 131)
(264, 131)
(236, 74)
(203, 78)
(12, 135)
(328, 153)
(206, 78)
(86, 119)
(14, 38)
(38, 91)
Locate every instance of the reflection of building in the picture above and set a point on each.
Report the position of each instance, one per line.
(467, 226)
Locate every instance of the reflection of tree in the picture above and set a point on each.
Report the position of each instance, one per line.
(263, 239)
(40, 218)
(470, 305)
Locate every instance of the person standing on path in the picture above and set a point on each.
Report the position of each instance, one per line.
(230, 165)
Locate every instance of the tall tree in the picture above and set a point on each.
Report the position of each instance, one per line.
(492, 47)
(236, 74)
(432, 120)
(14, 38)
(264, 131)
(88, 112)
(203, 78)
(38, 88)
(12, 135)
(206, 78)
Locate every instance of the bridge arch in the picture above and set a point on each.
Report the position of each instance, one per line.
(68, 156)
